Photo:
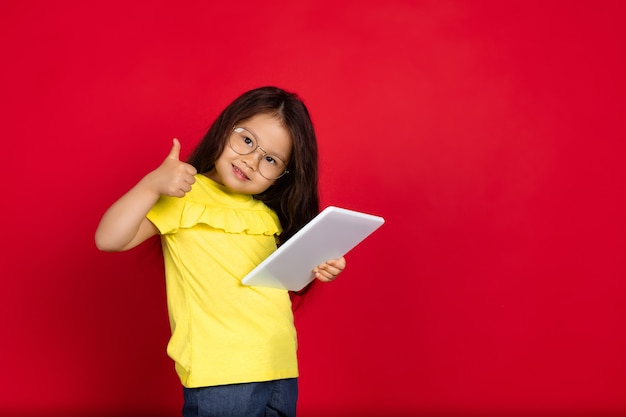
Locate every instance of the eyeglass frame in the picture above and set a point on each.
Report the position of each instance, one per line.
(255, 149)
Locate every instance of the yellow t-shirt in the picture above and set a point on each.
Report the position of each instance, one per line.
(223, 332)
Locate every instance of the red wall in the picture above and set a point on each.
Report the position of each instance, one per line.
(490, 135)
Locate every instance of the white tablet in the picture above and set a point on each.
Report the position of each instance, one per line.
(330, 235)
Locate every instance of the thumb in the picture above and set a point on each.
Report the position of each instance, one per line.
(175, 151)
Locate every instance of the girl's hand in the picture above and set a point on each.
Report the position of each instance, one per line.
(173, 177)
(329, 270)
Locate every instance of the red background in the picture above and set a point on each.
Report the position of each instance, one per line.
(489, 134)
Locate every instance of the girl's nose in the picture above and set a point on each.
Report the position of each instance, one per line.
(252, 160)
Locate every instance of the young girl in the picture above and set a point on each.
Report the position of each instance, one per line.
(250, 184)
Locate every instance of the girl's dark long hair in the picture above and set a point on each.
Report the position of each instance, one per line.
(294, 196)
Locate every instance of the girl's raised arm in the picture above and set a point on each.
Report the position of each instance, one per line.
(124, 225)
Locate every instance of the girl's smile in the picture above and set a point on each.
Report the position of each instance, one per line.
(239, 173)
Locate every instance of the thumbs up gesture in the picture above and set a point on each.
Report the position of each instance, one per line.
(173, 177)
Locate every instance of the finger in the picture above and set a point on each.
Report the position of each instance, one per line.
(324, 270)
(185, 188)
(328, 267)
(191, 170)
(324, 276)
(332, 271)
(190, 180)
(175, 151)
(339, 263)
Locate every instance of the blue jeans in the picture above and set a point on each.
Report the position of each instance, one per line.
(257, 399)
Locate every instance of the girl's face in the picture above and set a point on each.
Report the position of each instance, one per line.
(268, 142)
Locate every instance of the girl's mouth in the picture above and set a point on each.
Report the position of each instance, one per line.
(239, 173)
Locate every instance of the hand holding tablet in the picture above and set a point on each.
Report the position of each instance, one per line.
(330, 235)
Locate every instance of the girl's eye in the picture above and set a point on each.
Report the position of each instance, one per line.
(269, 159)
(247, 141)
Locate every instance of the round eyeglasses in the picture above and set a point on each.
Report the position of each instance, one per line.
(244, 142)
